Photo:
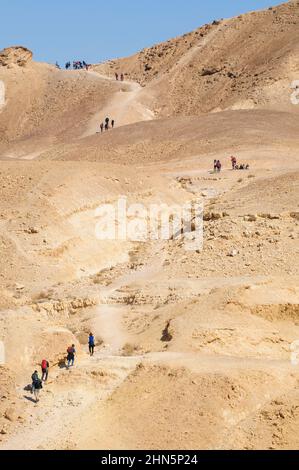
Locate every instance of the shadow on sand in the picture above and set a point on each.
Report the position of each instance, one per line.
(30, 399)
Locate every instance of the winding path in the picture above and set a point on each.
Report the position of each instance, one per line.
(126, 106)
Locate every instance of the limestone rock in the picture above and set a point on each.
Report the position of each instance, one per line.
(294, 215)
(11, 415)
(17, 55)
(208, 216)
(233, 253)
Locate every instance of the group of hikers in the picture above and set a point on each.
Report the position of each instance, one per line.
(235, 166)
(217, 166)
(82, 65)
(77, 65)
(120, 77)
(37, 382)
(106, 125)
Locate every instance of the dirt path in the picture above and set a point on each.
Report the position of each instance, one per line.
(67, 403)
(185, 60)
(125, 107)
(108, 320)
(71, 397)
(74, 398)
(2, 95)
(108, 326)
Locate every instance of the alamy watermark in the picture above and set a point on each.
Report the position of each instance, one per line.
(2, 94)
(2, 353)
(142, 223)
(295, 94)
(295, 353)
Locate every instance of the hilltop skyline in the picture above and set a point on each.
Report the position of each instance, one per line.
(97, 32)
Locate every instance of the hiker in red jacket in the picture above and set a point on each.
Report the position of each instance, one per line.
(234, 162)
(45, 370)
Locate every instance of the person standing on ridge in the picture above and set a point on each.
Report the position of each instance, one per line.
(102, 127)
(116, 76)
(112, 123)
(234, 162)
(91, 344)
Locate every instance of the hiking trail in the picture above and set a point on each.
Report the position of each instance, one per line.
(126, 106)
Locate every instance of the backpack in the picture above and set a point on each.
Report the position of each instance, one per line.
(34, 378)
(38, 384)
(44, 364)
(71, 351)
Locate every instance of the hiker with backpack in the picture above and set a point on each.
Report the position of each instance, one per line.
(91, 344)
(45, 370)
(37, 385)
(71, 356)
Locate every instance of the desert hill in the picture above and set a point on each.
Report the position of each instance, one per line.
(44, 105)
(181, 138)
(244, 62)
(247, 62)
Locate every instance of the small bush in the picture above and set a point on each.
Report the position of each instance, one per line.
(129, 349)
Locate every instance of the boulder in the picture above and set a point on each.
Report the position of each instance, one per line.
(17, 55)
(32, 230)
(250, 218)
(232, 253)
(19, 287)
(270, 216)
(208, 216)
(209, 71)
(11, 415)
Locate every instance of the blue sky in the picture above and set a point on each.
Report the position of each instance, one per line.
(98, 30)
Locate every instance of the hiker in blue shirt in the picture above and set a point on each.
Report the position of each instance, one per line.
(91, 344)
